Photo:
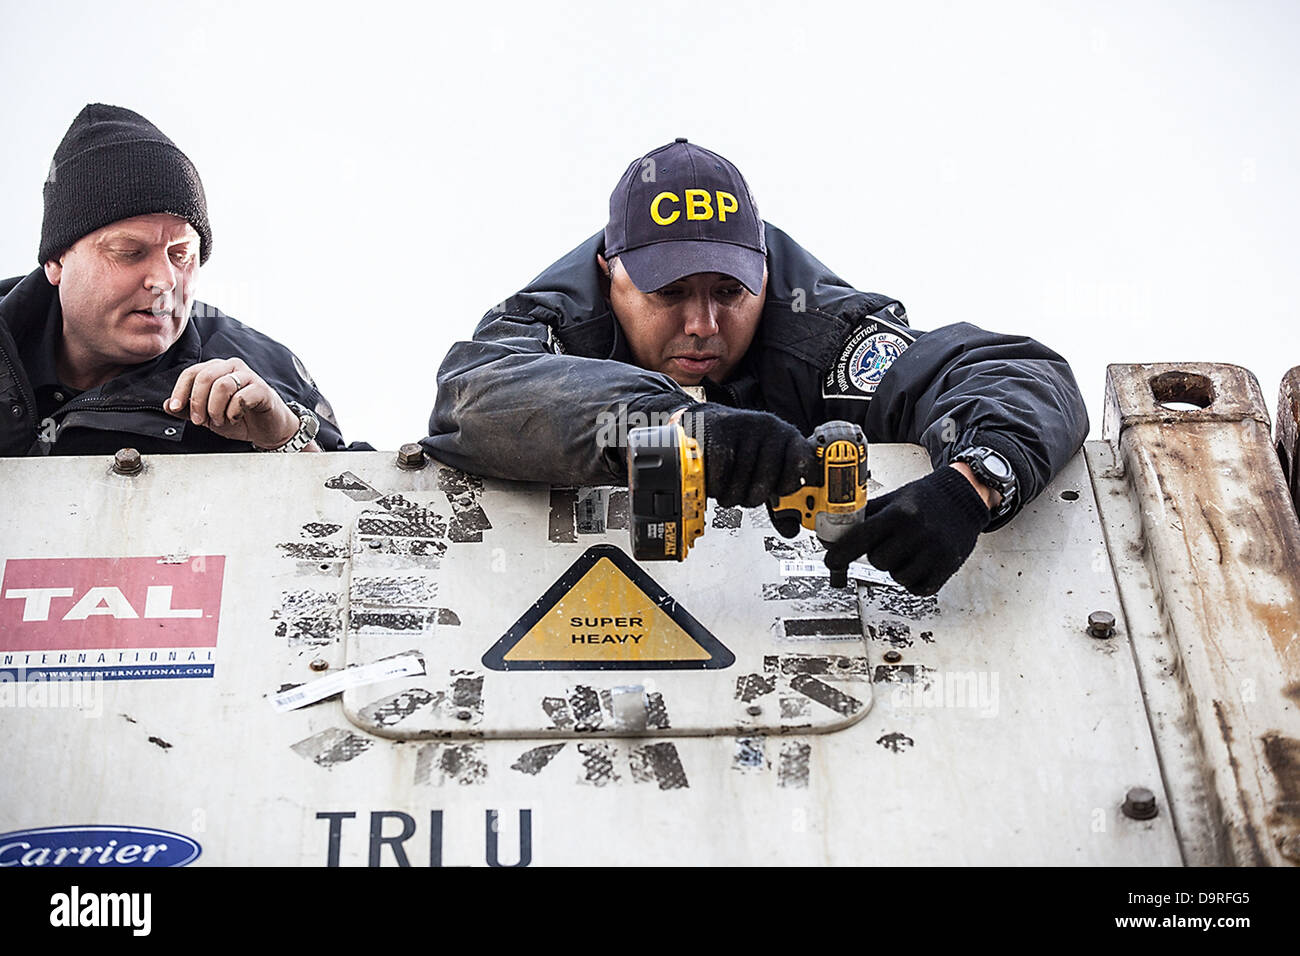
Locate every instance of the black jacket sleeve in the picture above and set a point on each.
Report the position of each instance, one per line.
(510, 405)
(535, 397)
(959, 386)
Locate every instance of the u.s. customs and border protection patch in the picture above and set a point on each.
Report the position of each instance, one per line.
(867, 355)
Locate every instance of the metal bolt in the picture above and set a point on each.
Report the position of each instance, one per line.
(16, 411)
(753, 710)
(892, 657)
(1290, 848)
(410, 457)
(1140, 804)
(127, 462)
(463, 715)
(319, 664)
(1101, 624)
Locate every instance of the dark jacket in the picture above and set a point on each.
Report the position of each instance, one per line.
(127, 410)
(526, 398)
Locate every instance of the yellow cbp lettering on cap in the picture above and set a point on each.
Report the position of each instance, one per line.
(726, 203)
(654, 208)
(698, 204)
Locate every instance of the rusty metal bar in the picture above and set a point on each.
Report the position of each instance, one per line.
(1223, 547)
(1288, 431)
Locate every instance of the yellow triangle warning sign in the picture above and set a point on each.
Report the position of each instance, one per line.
(605, 613)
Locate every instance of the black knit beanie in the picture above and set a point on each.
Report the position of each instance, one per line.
(114, 164)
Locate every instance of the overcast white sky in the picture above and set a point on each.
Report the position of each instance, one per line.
(1117, 180)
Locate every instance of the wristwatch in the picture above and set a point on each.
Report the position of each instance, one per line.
(995, 472)
(308, 426)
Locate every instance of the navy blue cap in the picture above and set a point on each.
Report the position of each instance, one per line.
(680, 210)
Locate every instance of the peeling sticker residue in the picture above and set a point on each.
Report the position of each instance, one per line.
(752, 686)
(314, 550)
(897, 600)
(598, 762)
(467, 690)
(659, 762)
(795, 707)
(390, 710)
(902, 674)
(561, 527)
(589, 510)
(726, 517)
(439, 764)
(896, 633)
(791, 549)
(393, 623)
(352, 486)
(557, 709)
(813, 595)
(468, 521)
(532, 762)
(416, 523)
(308, 616)
(617, 518)
(823, 627)
(793, 764)
(750, 754)
(656, 711)
(408, 547)
(832, 665)
(896, 742)
(393, 591)
(317, 529)
(332, 746)
(586, 708)
(825, 694)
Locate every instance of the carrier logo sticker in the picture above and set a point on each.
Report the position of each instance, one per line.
(96, 846)
(867, 355)
(110, 618)
(605, 613)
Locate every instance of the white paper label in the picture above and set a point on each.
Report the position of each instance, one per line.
(858, 570)
(309, 693)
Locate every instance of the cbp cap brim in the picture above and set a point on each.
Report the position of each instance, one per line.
(659, 264)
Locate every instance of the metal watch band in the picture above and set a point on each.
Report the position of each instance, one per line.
(308, 426)
(1005, 484)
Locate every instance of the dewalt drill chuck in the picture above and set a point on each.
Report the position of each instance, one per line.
(835, 500)
(666, 492)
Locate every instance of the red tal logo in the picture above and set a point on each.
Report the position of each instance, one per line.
(49, 604)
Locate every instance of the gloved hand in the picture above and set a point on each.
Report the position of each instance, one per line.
(920, 533)
(748, 456)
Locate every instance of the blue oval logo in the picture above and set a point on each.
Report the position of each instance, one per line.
(96, 846)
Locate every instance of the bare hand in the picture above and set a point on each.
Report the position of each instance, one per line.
(229, 398)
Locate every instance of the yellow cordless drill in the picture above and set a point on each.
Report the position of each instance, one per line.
(665, 469)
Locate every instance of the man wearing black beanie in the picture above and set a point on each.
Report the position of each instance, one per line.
(104, 345)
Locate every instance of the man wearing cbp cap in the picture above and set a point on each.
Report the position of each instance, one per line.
(104, 345)
(687, 287)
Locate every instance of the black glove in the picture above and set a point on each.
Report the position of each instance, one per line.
(748, 456)
(920, 533)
